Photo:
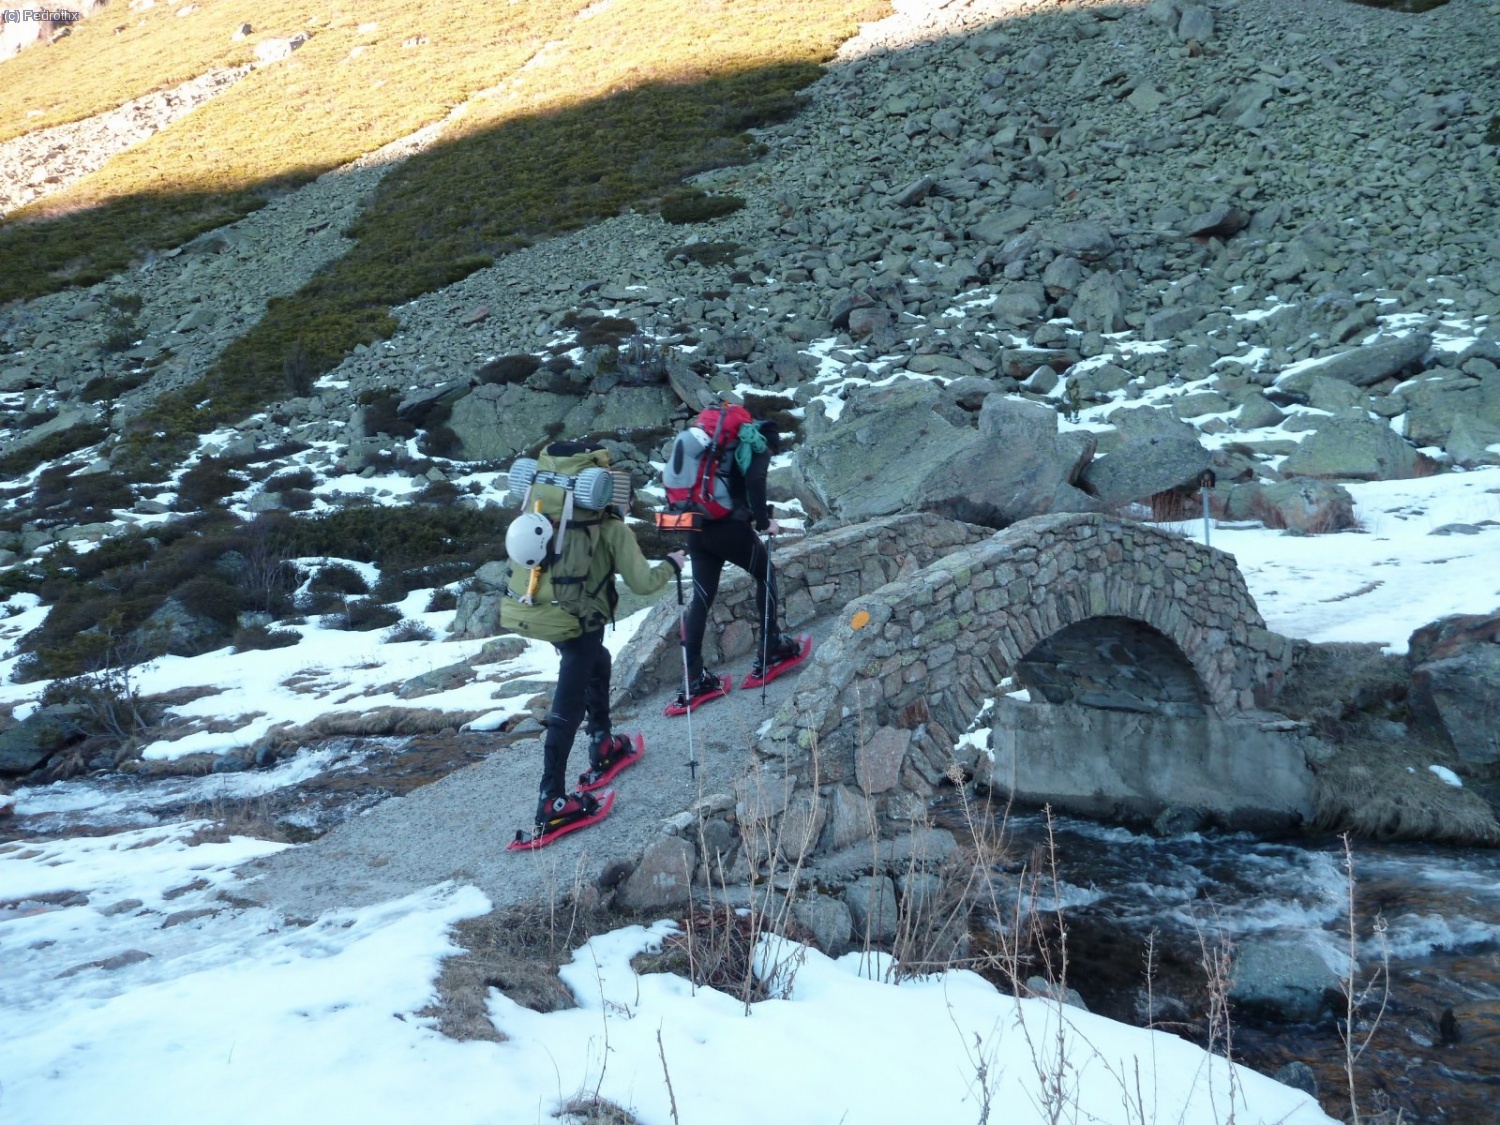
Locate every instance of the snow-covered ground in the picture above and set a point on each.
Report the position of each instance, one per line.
(132, 992)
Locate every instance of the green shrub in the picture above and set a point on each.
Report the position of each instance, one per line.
(53, 447)
(706, 253)
(338, 578)
(508, 369)
(381, 416)
(260, 637)
(105, 388)
(410, 631)
(440, 441)
(302, 478)
(442, 601)
(1492, 135)
(62, 498)
(361, 616)
(209, 481)
(691, 205)
(600, 331)
(297, 369)
(438, 492)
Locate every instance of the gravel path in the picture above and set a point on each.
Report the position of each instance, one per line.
(457, 828)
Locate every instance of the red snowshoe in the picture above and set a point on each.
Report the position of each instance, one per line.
(625, 752)
(784, 660)
(568, 814)
(706, 688)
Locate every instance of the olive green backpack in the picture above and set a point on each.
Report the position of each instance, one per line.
(557, 600)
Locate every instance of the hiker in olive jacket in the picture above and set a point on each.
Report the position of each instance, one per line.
(582, 694)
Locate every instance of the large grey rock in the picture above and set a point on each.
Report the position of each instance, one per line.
(1018, 469)
(175, 629)
(1142, 466)
(1312, 506)
(663, 878)
(850, 819)
(494, 422)
(871, 461)
(878, 760)
(1099, 305)
(1363, 366)
(1197, 23)
(621, 411)
(1455, 683)
(828, 920)
(1289, 978)
(1085, 240)
(872, 909)
(36, 738)
(1352, 449)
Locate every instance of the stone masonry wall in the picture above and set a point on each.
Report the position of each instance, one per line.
(816, 577)
(879, 712)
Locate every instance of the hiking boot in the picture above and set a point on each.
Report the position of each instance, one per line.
(706, 684)
(782, 647)
(605, 752)
(553, 813)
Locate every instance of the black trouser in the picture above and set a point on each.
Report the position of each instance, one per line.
(719, 542)
(582, 689)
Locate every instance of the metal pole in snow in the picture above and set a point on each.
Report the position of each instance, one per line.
(1205, 484)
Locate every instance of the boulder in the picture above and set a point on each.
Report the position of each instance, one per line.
(828, 920)
(1455, 683)
(871, 460)
(620, 411)
(1141, 466)
(878, 760)
(1363, 366)
(37, 737)
(1099, 304)
(175, 629)
(871, 900)
(1352, 449)
(1085, 240)
(1311, 506)
(1018, 469)
(1286, 978)
(494, 422)
(663, 878)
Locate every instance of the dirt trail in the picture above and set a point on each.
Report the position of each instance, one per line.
(457, 828)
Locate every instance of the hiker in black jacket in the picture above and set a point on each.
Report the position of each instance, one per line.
(733, 539)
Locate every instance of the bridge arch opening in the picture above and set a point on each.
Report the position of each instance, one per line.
(1114, 663)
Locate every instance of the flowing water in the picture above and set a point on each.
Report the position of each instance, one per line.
(1432, 915)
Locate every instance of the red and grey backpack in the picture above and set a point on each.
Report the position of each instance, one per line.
(696, 476)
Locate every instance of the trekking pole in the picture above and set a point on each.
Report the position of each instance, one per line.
(1205, 483)
(687, 683)
(765, 621)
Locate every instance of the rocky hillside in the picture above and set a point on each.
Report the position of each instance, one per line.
(1256, 237)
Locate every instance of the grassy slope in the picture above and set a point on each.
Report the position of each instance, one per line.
(280, 126)
(636, 97)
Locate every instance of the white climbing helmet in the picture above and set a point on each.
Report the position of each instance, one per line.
(528, 538)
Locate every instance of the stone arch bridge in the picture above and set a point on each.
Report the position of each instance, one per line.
(1100, 664)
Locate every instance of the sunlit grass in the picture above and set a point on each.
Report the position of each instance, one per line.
(611, 116)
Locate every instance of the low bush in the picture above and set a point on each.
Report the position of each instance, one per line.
(206, 483)
(107, 388)
(338, 578)
(361, 616)
(442, 601)
(260, 637)
(381, 415)
(706, 253)
(508, 369)
(53, 447)
(303, 478)
(693, 206)
(410, 631)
